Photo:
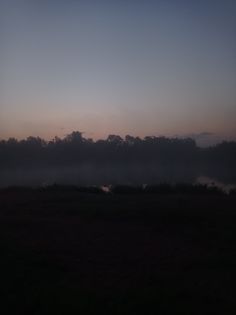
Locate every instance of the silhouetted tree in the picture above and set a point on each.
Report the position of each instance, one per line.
(132, 157)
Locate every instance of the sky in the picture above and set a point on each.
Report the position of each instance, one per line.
(150, 67)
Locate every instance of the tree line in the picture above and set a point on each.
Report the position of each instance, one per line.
(75, 150)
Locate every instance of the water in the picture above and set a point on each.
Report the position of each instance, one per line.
(209, 181)
(87, 175)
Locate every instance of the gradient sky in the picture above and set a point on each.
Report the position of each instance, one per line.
(134, 67)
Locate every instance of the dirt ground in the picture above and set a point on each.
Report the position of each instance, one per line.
(67, 252)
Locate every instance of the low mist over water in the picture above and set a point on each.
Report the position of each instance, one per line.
(89, 175)
(133, 161)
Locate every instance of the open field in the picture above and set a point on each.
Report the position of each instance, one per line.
(69, 252)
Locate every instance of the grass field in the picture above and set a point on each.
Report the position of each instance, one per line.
(69, 252)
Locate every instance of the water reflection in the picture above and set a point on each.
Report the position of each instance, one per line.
(209, 181)
(119, 175)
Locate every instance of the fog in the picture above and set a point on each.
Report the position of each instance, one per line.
(75, 160)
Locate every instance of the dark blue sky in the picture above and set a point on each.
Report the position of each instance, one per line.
(137, 67)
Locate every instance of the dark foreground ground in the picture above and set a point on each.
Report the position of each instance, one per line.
(82, 253)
